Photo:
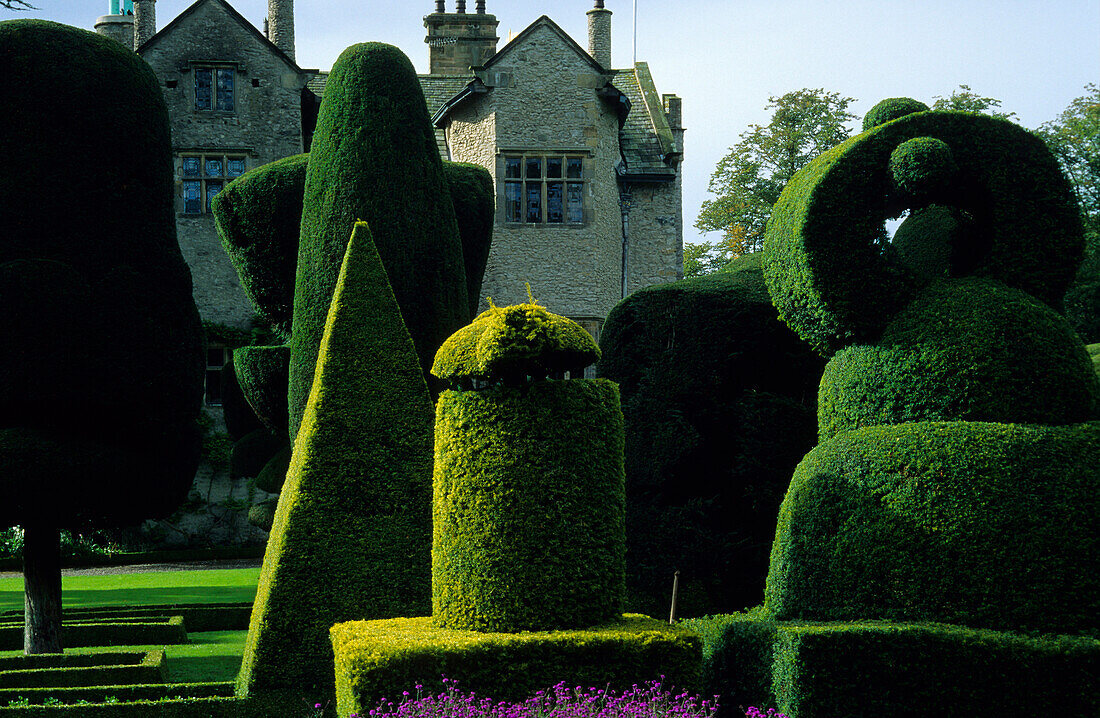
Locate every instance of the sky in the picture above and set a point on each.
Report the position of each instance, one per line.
(725, 58)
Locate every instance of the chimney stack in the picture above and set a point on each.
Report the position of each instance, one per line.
(599, 34)
(458, 41)
(280, 25)
(117, 24)
(145, 21)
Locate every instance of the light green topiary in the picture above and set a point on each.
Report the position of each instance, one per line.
(380, 659)
(516, 342)
(352, 529)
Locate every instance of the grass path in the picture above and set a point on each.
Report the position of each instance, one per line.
(143, 589)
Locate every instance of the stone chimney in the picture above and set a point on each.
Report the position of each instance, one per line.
(280, 25)
(599, 34)
(117, 24)
(145, 21)
(460, 40)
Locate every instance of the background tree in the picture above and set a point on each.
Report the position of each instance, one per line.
(101, 359)
(966, 100)
(1074, 138)
(748, 180)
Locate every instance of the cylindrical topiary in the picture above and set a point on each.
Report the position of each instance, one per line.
(528, 489)
(473, 197)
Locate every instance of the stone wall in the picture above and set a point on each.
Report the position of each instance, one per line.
(265, 125)
(656, 234)
(545, 99)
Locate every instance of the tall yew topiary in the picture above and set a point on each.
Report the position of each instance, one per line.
(101, 355)
(352, 531)
(374, 158)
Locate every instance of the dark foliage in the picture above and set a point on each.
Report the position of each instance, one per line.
(258, 217)
(374, 158)
(474, 200)
(718, 401)
(102, 352)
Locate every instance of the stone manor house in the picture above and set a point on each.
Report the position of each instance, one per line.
(586, 158)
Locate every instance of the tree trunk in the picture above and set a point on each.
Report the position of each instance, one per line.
(41, 589)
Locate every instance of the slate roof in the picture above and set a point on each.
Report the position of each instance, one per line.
(641, 146)
(645, 138)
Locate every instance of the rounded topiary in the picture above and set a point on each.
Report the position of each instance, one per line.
(513, 344)
(262, 375)
(965, 349)
(252, 453)
(891, 109)
(985, 525)
(258, 217)
(922, 165)
(528, 490)
(374, 158)
(718, 408)
(240, 419)
(826, 257)
(1083, 300)
(101, 355)
(931, 242)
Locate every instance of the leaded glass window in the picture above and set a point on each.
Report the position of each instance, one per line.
(544, 189)
(214, 89)
(204, 175)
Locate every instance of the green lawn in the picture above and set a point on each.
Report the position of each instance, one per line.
(211, 656)
(143, 589)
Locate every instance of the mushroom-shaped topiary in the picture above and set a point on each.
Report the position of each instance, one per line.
(514, 344)
(528, 507)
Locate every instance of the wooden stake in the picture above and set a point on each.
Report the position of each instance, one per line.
(675, 590)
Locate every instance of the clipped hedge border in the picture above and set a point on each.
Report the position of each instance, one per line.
(878, 668)
(168, 630)
(197, 617)
(274, 705)
(112, 669)
(376, 659)
(123, 693)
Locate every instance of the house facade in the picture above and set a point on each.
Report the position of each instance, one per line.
(586, 158)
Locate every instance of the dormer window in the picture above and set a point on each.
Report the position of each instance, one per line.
(214, 89)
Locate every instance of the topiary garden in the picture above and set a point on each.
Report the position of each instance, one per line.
(937, 545)
(940, 539)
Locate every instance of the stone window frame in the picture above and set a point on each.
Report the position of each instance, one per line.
(216, 108)
(233, 163)
(544, 182)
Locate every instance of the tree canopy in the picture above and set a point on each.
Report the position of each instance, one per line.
(1074, 138)
(748, 180)
(966, 100)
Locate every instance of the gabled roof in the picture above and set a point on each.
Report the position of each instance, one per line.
(646, 141)
(544, 21)
(232, 12)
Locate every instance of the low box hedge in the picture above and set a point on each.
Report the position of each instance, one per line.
(275, 705)
(120, 693)
(879, 668)
(107, 670)
(234, 553)
(376, 659)
(108, 632)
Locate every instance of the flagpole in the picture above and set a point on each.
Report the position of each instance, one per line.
(635, 32)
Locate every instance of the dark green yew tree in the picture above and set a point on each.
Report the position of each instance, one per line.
(101, 355)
